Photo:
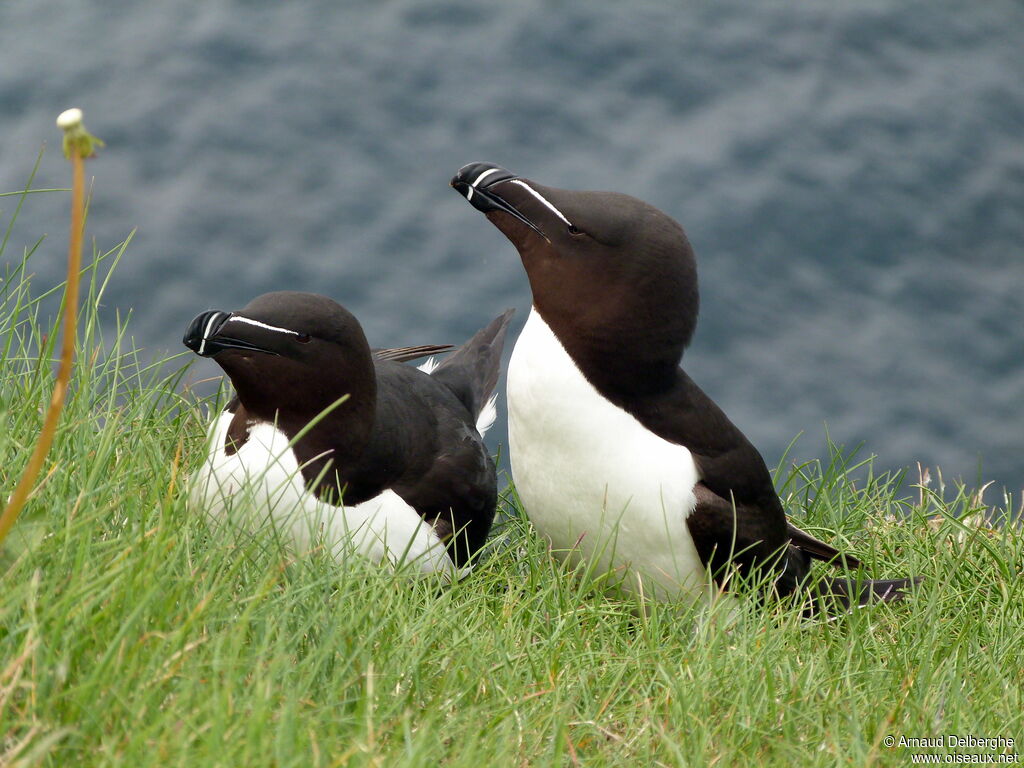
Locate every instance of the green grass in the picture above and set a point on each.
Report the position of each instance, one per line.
(132, 634)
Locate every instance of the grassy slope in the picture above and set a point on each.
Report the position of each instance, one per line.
(130, 635)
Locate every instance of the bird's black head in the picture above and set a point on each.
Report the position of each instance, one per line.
(614, 277)
(287, 352)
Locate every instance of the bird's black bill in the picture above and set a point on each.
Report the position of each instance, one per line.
(202, 336)
(476, 183)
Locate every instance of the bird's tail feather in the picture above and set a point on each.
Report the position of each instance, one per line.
(472, 370)
(838, 595)
(405, 354)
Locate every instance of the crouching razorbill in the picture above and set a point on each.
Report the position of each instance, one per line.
(618, 456)
(340, 446)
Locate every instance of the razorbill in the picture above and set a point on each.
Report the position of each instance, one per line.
(344, 447)
(618, 456)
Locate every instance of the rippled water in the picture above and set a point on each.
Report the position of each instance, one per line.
(852, 177)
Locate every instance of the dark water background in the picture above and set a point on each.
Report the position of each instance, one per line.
(851, 176)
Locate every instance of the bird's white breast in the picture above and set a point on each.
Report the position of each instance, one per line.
(592, 478)
(261, 485)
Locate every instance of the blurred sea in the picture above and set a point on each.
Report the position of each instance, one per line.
(851, 176)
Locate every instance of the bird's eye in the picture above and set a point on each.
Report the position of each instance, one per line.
(574, 230)
(303, 338)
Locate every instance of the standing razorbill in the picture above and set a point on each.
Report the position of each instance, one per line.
(340, 445)
(617, 455)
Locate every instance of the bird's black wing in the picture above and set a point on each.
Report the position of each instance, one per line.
(739, 516)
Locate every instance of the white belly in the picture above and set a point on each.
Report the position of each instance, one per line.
(260, 485)
(593, 479)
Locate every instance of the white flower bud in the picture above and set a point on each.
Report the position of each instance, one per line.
(69, 118)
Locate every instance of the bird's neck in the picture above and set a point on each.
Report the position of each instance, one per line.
(329, 426)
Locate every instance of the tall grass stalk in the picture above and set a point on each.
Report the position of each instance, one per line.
(78, 144)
